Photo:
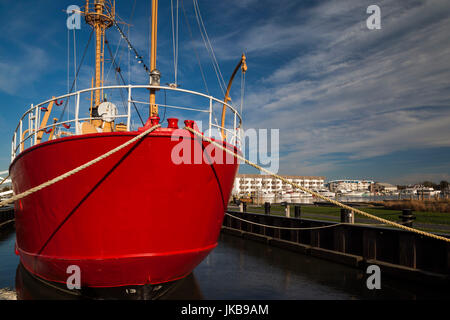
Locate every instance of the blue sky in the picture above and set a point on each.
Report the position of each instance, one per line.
(349, 102)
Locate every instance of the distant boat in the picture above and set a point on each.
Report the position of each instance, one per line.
(409, 191)
(354, 193)
(427, 191)
(326, 193)
(6, 194)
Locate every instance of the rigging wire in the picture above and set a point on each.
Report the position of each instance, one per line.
(68, 64)
(114, 58)
(76, 75)
(195, 50)
(119, 46)
(74, 58)
(118, 71)
(175, 40)
(208, 46)
(129, 52)
(139, 58)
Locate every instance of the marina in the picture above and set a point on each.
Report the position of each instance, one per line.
(138, 177)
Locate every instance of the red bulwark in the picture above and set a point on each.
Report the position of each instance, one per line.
(134, 218)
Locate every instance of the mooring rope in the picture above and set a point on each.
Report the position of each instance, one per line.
(284, 228)
(337, 203)
(4, 223)
(78, 169)
(5, 179)
(306, 228)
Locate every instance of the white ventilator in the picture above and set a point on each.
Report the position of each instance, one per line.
(108, 111)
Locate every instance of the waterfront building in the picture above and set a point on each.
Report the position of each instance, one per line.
(266, 186)
(348, 185)
(383, 187)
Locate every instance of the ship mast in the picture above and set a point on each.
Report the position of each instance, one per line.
(100, 16)
(155, 75)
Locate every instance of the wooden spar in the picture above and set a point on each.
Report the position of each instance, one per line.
(44, 121)
(55, 120)
(243, 65)
(153, 107)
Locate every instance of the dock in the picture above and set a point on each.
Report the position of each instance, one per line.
(398, 253)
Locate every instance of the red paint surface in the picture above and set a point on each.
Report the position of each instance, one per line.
(134, 218)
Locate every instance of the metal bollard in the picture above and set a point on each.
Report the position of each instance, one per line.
(287, 211)
(407, 217)
(347, 216)
(241, 206)
(244, 206)
(266, 207)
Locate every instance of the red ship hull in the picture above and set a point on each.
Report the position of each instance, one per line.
(135, 218)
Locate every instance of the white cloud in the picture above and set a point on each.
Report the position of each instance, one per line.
(20, 72)
(359, 92)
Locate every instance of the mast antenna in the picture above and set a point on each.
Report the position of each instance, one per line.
(155, 75)
(100, 15)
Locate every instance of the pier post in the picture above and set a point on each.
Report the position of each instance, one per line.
(347, 216)
(287, 211)
(297, 211)
(370, 244)
(340, 239)
(407, 217)
(267, 208)
(407, 250)
(286, 208)
(244, 206)
(315, 238)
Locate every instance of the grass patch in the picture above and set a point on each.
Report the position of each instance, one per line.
(440, 205)
(426, 217)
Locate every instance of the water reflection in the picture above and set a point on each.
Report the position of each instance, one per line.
(29, 287)
(237, 269)
(243, 269)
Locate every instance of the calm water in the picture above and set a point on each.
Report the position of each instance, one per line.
(243, 269)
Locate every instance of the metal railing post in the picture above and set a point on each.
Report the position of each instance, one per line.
(234, 128)
(20, 132)
(210, 117)
(35, 126)
(13, 147)
(129, 109)
(77, 111)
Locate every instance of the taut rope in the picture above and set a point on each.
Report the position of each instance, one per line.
(337, 203)
(78, 169)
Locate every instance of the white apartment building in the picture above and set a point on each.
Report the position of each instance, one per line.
(247, 184)
(348, 185)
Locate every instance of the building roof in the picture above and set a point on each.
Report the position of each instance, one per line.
(384, 184)
(250, 175)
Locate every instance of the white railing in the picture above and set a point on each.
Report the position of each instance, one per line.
(29, 127)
